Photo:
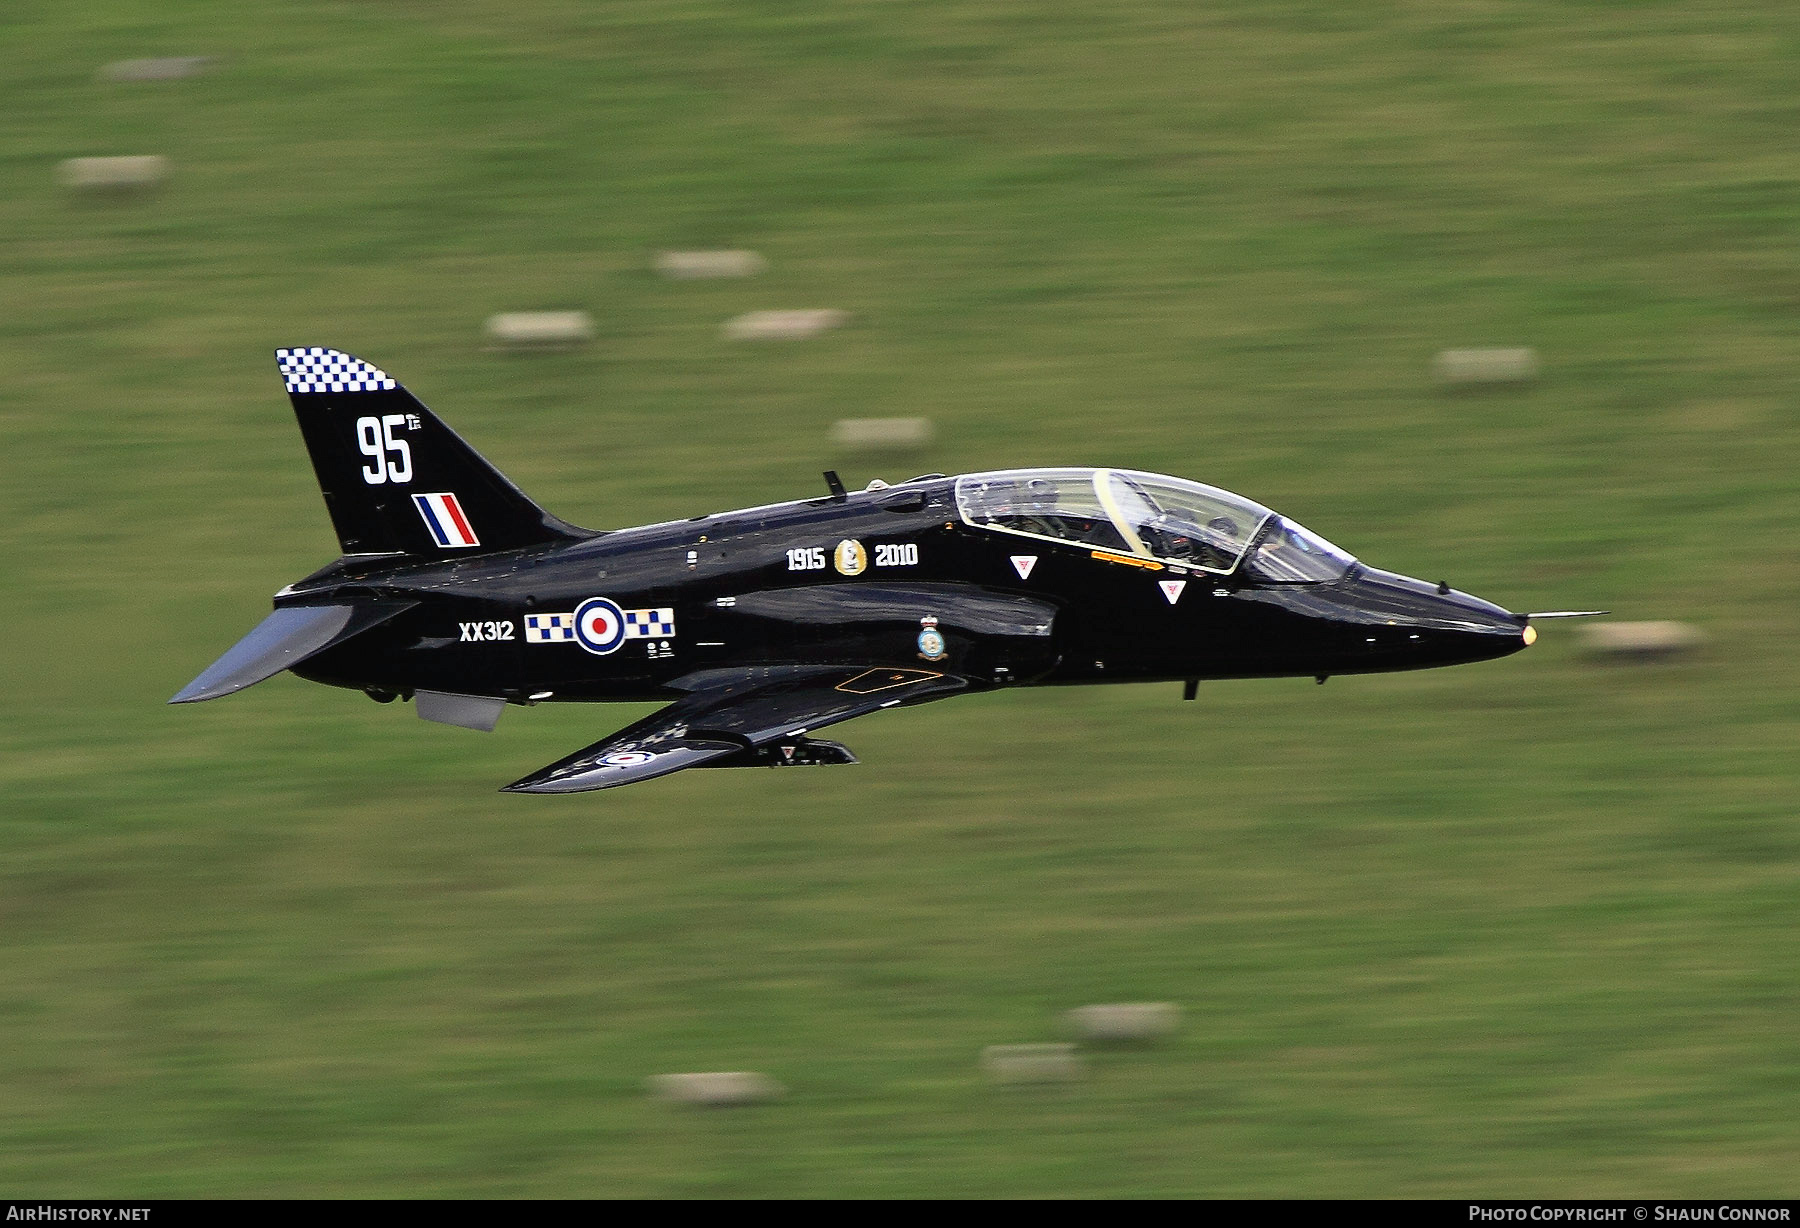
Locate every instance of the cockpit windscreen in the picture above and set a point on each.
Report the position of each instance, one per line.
(1286, 553)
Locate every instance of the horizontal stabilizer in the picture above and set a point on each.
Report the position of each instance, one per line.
(281, 641)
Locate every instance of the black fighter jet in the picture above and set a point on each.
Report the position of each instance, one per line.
(458, 592)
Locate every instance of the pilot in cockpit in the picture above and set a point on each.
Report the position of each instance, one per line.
(1035, 508)
(1177, 535)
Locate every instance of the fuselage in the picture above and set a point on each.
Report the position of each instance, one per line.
(851, 580)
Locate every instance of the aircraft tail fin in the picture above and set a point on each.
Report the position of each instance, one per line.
(397, 480)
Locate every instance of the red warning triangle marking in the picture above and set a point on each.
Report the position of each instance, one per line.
(1023, 563)
(1172, 589)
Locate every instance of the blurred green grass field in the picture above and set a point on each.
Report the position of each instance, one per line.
(1526, 928)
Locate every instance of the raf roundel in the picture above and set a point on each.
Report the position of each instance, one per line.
(599, 625)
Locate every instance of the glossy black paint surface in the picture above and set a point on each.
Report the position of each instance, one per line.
(1077, 618)
(765, 622)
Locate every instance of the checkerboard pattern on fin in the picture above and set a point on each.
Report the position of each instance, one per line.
(316, 369)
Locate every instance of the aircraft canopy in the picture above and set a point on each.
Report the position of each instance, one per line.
(1150, 516)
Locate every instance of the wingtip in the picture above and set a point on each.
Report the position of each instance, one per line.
(551, 780)
(543, 787)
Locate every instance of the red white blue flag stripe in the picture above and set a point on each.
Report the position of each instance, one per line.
(443, 515)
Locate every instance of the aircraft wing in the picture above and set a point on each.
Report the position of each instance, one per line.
(741, 718)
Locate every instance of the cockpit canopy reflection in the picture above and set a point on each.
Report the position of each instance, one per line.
(1151, 516)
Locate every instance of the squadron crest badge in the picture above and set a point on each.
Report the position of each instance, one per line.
(850, 558)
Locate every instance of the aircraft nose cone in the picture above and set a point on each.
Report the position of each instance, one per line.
(1413, 619)
(1422, 604)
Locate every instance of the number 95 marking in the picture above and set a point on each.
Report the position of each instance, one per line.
(393, 459)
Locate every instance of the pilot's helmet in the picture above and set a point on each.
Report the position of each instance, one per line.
(999, 498)
(1040, 491)
(1224, 526)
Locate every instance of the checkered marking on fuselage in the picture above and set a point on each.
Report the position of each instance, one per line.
(549, 628)
(649, 624)
(316, 369)
(560, 628)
